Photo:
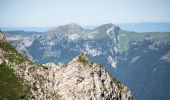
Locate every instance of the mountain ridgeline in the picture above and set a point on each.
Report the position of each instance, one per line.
(139, 60)
(21, 79)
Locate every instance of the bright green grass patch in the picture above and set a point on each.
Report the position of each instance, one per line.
(10, 85)
(81, 58)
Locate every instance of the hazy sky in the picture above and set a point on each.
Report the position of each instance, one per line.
(47, 13)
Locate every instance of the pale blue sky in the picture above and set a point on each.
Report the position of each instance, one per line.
(48, 13)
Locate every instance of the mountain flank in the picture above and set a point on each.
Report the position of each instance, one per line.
(82, 79)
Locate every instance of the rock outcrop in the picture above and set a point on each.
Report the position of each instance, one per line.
(2, 37)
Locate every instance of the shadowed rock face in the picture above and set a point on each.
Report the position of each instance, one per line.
(80, 79)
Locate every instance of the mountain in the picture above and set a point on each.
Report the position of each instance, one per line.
(79, 79)
(62, 47)
(137, 27)
(139, 60)
(146, 27)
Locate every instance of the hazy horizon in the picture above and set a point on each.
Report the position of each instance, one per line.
(41, 13)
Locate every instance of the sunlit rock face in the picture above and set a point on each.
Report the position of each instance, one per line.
(82, 79)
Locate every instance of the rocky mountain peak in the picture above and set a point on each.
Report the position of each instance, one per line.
(106, 30)
(67, 29)
(90, 81)
(73, 25)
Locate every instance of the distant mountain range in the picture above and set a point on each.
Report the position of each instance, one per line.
(140, 60)
(137, 27)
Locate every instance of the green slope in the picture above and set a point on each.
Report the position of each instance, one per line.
(11, 86)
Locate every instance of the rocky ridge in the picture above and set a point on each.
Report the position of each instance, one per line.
(80, 79)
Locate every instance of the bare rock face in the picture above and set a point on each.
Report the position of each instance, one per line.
(79, 80)
(86, 80)
(2, 39)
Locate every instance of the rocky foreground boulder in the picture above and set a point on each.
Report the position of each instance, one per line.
(80, 79)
